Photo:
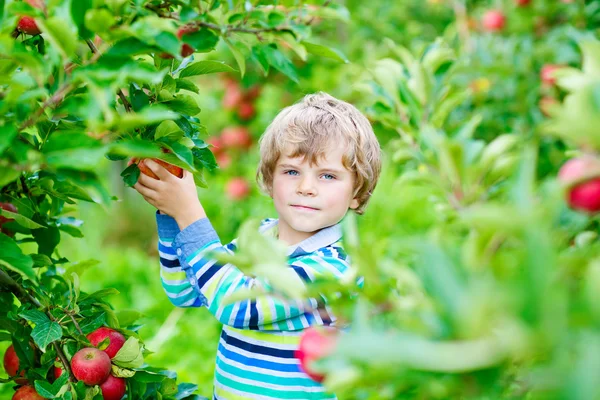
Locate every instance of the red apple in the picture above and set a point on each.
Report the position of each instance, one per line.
(583, 196)
(117, 340)
(177, 171)
(27, 25)
(315, 343)
(223, 160)
(236, 137)
(216, 144)
(113, 388)
(57, 372)
(91, 366)
(246, 111)
(237, 189)
(547, 74)
(11, 364)
(233, 96)
(253, 92)
(523, 3)
(8, 207)
(186, 49)
(493, 21)
(26, 393)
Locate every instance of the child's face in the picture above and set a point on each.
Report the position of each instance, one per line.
(311, 197)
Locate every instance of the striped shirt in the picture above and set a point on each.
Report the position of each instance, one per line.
(255, 357)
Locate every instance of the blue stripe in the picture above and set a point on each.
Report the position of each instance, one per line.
(241, 315)
(301, 272)
(255, 348)
(326, 252)
(253, 362)
(205, 277)
(253, 315)
(169, 263)
(165, 249)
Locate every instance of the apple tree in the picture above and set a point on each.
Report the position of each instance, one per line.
(86, 80)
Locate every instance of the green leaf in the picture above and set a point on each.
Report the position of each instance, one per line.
(130, 175)
(149, 115)
(239, 57)
(78, 11)
(205, 67)
(99, 20)
(279, 61)
(20, 219)
(128, 317)
(183, 104)
(324, 51)
(47, 239)
(202, 41)
(35, 316)
(130, 355)
(100, 294)
(128, 47)
(184, 84)
(46, 333)
(8, 175)
(13, 258)
(54, 390)
(60, 35)
(8, 134)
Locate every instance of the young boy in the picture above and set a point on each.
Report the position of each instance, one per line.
(319, 159)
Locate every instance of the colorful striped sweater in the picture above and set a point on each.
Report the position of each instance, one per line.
(255, 357)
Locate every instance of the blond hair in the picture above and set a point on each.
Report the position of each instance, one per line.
(311, 127)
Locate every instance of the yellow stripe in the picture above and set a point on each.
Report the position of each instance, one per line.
(224, 394)
(215, 280)
(268, 337)
(173, 276)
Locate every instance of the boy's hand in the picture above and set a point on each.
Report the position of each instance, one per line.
(171, 195)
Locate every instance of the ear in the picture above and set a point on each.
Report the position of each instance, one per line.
(354, 204)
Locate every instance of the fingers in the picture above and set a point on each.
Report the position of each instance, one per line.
(144, 191)
(158, 170)
(148, 181)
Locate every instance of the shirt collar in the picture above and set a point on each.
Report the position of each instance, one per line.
(323, 238)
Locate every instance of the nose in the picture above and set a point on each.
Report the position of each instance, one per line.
(306, 187)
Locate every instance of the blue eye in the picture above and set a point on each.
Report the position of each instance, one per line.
(291, 172)
(328, 177)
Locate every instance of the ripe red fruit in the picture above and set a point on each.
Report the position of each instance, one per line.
(91, 366)
(216, 143)
(584, 196)
(523, 3)
(246, 111)
(233, 96)
(177, 171)
(236, 137)
(315, 343)
(26, 393)
(546, 74)
(27, 25)
(11, 364)
(237, 189)
(224, 160)
(113, 388)
(186, 50)
(8, 207)
(57, 372)
(493, 21)
(117, 340)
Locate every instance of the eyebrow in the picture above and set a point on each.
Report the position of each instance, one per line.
(336, 171)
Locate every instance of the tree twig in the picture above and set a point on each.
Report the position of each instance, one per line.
(52, 101)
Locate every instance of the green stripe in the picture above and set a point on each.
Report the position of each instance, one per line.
(267, 378)
(278, 394)
(200, 250)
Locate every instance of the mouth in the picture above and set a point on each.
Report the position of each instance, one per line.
(301, 207)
